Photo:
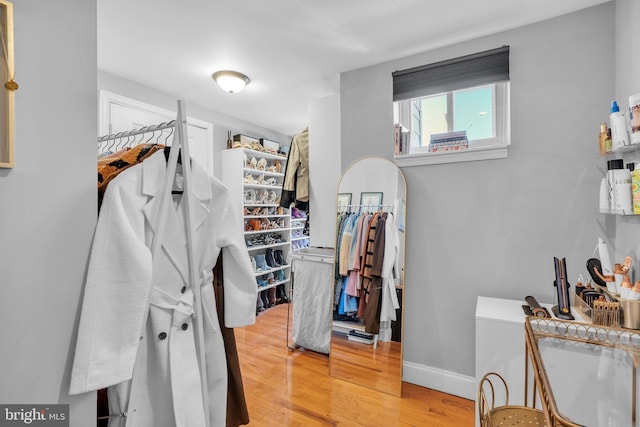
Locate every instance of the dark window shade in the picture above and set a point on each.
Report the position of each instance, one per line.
(467, 71)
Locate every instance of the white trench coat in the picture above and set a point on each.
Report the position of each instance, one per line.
(115, 334)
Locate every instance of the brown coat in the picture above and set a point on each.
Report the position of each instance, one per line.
(237, 412)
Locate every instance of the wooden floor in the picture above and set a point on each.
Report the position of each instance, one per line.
(293, 388)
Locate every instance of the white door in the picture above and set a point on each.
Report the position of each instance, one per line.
(119, 114)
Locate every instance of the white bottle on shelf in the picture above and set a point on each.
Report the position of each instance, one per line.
(618, 124)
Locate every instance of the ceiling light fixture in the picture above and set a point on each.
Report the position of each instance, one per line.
(230, 81)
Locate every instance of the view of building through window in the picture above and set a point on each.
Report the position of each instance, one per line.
(470, 110)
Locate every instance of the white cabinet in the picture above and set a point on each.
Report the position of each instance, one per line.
(256, 178)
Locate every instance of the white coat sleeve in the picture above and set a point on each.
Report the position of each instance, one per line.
(240, 287)
(115, 294)
(390, 262)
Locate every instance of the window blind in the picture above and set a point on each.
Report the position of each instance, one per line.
(480, 68)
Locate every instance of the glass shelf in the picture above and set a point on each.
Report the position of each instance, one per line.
(616, 212)
(622, 150)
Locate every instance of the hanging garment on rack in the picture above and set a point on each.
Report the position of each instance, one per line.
(295, 187)
(122, 275)
(237, 412)
(353, 282)
(373, 303)
(390, 270)
(345, 243)
(367, 260)
(111, 166)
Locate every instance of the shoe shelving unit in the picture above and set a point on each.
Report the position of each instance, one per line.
(256, 178)
(299, 240)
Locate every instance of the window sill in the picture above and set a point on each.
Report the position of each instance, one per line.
(470, 155)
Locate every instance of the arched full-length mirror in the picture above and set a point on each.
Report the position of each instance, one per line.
(366, 338)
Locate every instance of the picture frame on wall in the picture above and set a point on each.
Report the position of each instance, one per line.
(344, 200)
(371, 200)
(8, 86)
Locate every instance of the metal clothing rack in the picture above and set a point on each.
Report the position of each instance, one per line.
(106, 142)
(180, 142)
(342, 208)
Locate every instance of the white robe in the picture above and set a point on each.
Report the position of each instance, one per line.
(390, 270)
(164, 389)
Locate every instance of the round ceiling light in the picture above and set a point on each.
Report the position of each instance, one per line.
(230, 81)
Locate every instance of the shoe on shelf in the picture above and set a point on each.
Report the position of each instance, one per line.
(273, 197)
(249, 197)
(272, 297)
(253, 163)
(271, 262)
(261, 263)
(277, 165)
(277, 255)
(281, 294)
(265, 298)
(262, 164)
(259, 305)
(252, 241)
(253, 263)
(262, 196)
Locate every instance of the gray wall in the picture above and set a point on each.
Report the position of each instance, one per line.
(627, 233)
(221, 122)
(48, 203)
(492, 228)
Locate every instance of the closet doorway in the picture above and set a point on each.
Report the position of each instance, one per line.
(119, 113)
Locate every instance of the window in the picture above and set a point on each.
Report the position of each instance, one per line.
(452, 111)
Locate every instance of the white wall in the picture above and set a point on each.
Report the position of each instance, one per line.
(324, 168)
(221, 122)
(493, 227)
(48, 203)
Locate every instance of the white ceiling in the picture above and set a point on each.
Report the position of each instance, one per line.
(293, 50)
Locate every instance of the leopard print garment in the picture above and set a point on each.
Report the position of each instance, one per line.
(110, 166)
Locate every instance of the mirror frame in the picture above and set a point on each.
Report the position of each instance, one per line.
(7, 100)
(390, 385)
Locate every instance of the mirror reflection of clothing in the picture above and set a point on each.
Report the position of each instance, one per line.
(367, 257)
(390, 272)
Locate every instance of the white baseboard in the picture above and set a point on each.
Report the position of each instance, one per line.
(439, 379)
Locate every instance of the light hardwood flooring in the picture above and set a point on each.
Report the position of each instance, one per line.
(379, 368)
(293, 388)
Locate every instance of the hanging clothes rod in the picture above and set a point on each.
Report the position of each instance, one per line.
(366, 206)
(146, 129)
